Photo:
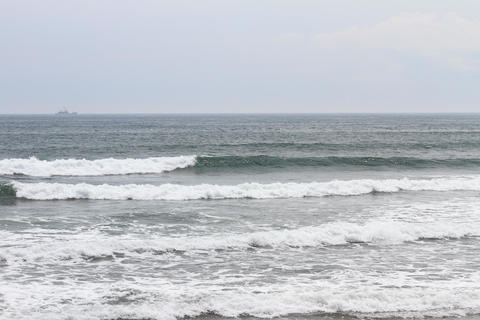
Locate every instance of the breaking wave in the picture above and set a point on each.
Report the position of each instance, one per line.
(111, 166)
(7, 190)
(100, 167)
(85, 246)
(61, 191)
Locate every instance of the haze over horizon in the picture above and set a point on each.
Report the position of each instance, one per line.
(239, 56)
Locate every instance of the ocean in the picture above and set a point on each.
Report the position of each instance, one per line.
(301, 216)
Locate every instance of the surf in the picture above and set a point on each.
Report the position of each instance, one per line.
(248, 190)
(83, 167)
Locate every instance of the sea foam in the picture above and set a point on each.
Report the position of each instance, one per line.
(100, 167)
(350, 293)
(59, 191)
(75, 247)
(164, 300)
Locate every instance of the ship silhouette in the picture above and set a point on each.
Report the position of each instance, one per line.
(65, 112)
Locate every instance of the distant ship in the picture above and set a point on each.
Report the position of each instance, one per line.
(65, 112)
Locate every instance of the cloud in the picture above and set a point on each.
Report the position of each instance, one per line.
(444, 38)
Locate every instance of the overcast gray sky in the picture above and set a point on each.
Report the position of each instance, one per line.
(99, 56)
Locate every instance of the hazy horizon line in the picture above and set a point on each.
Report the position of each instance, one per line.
(229, 113)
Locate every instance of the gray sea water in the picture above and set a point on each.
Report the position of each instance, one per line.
(253, 216)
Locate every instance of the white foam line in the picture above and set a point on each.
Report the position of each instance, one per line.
(96, 244)
(59, 191)
(83, 167)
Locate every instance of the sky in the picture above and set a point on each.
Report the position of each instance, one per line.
(273, 56)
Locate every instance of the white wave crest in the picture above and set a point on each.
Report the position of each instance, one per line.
(59, 191)
(97, 244)
(100, 167)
